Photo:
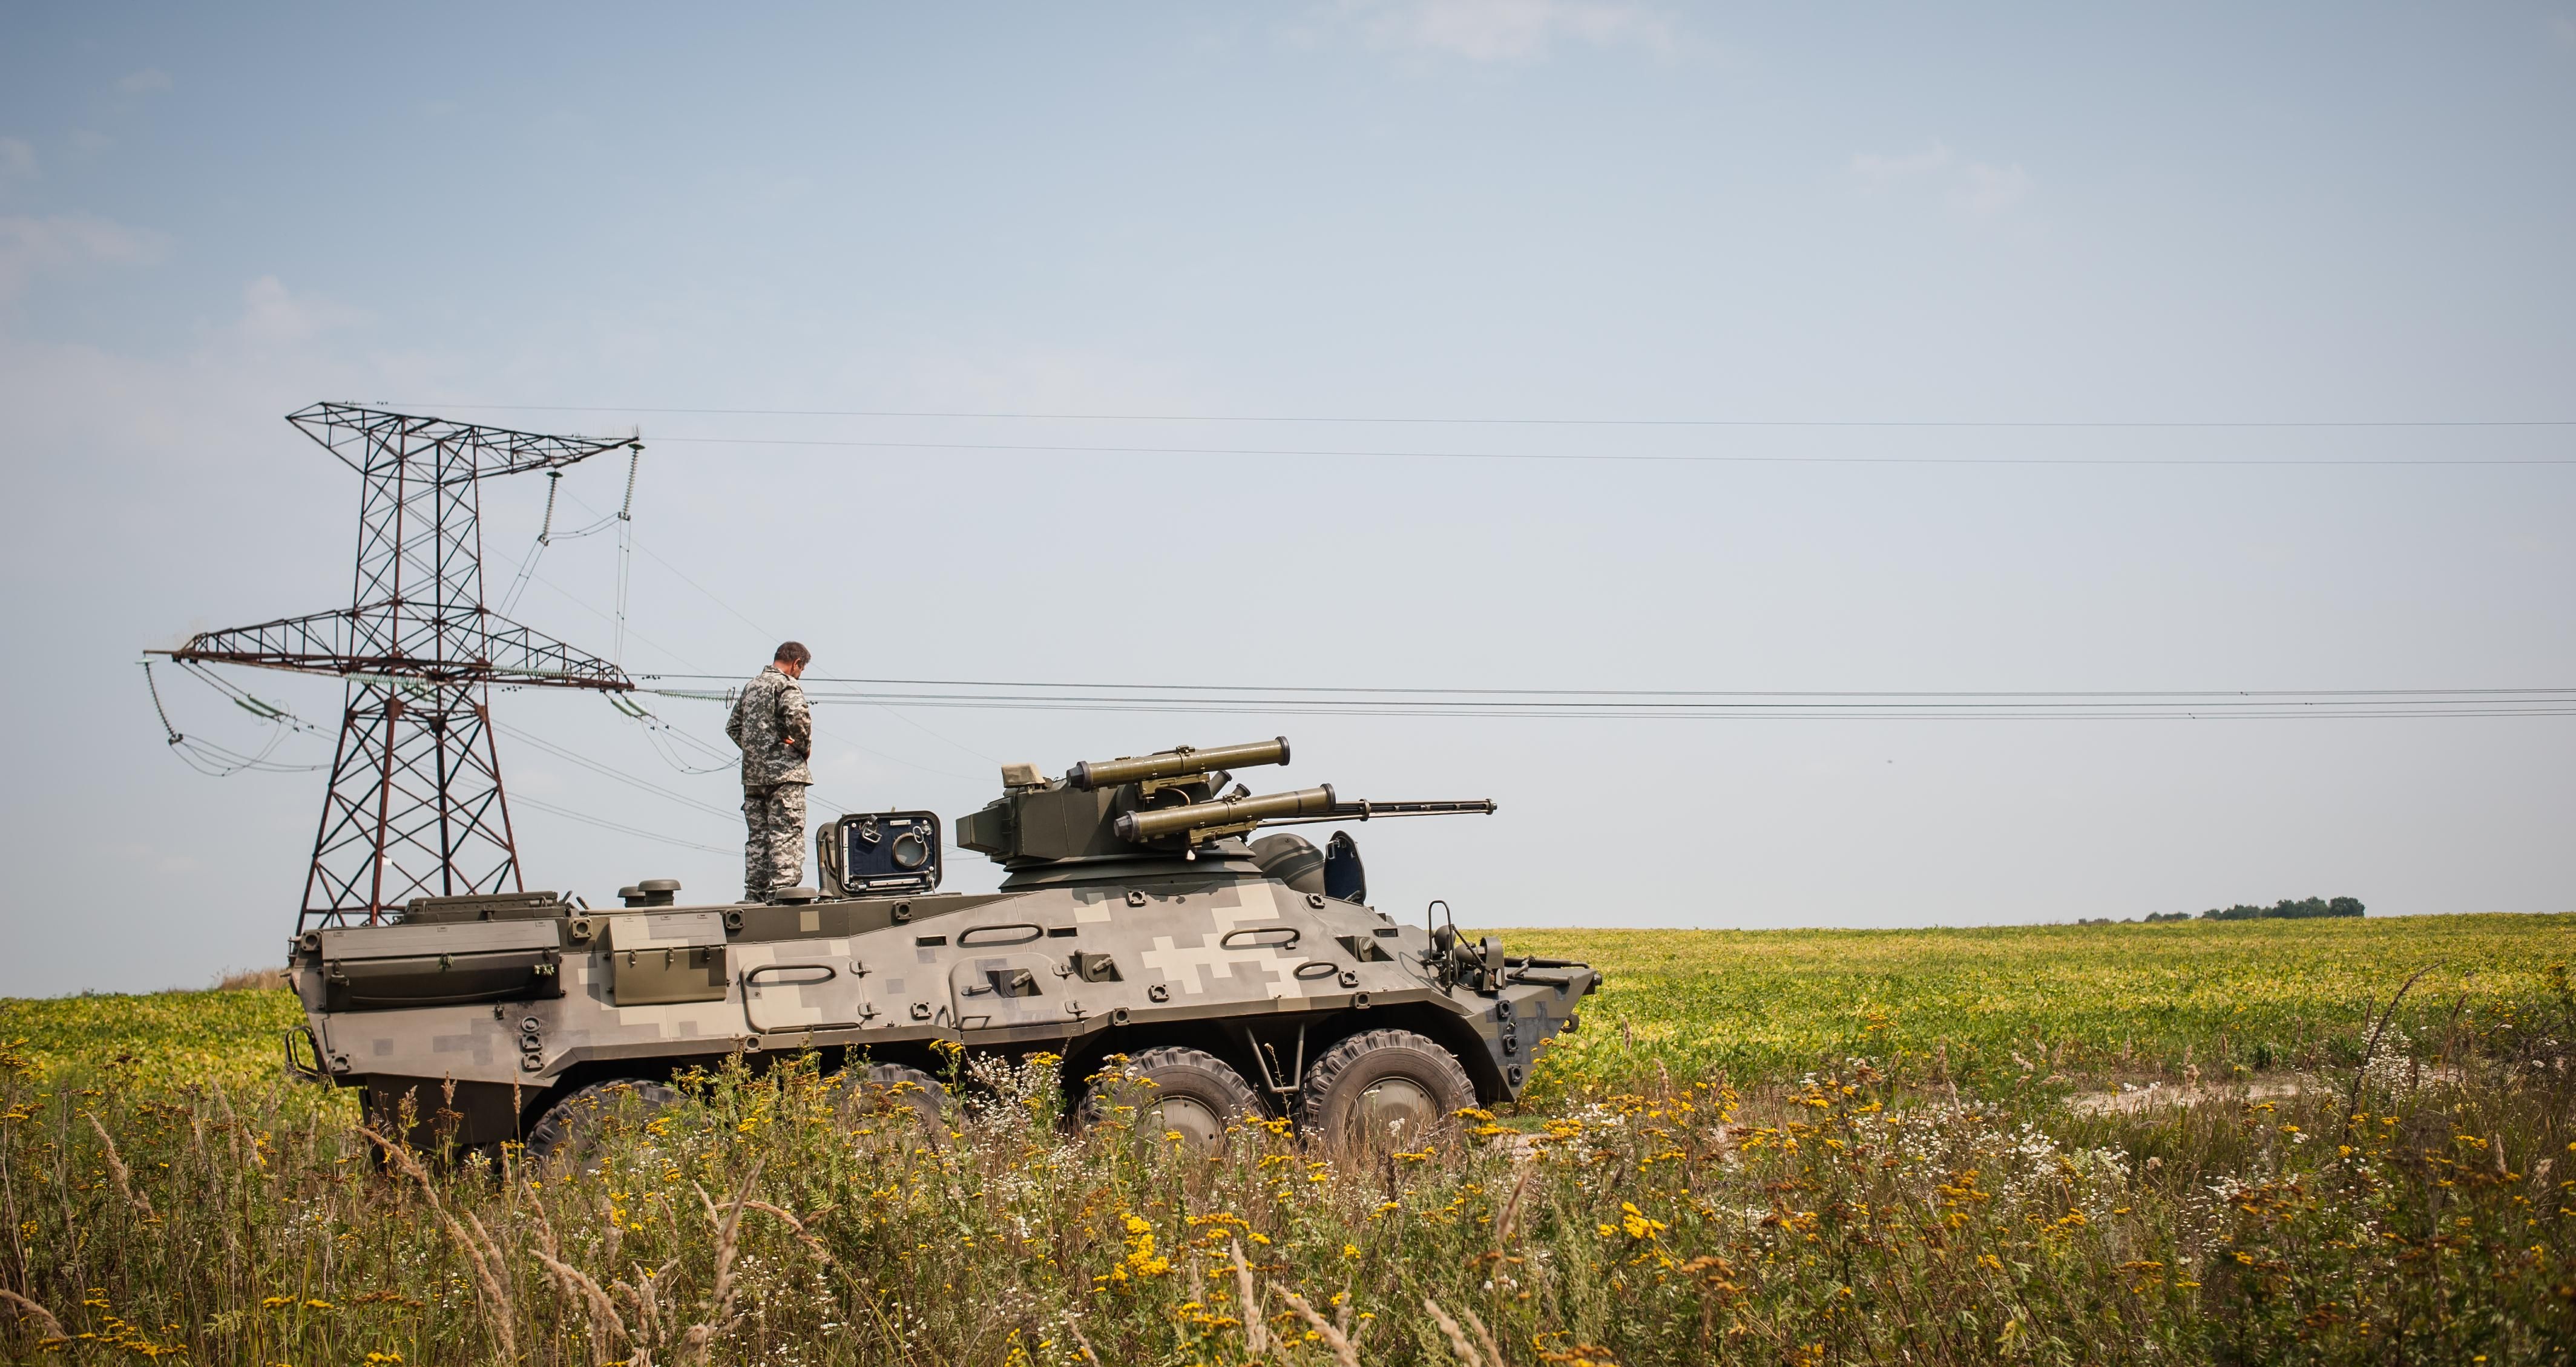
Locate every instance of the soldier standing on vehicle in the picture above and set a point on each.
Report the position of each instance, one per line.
(775, 732)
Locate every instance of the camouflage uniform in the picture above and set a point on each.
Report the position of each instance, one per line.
(775, 732)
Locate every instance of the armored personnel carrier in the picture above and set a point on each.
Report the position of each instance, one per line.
(1238, 977)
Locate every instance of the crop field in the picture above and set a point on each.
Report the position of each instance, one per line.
(1777, 1148)
(2095, 1004)
(163, 1040)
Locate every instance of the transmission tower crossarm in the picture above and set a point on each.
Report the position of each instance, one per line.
(467, 645)
(374, 442)
(415, 807)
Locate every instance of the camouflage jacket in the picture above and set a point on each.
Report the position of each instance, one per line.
(774, 730)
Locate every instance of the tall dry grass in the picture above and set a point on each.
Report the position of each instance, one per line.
(251, 980)
(1845, 1216)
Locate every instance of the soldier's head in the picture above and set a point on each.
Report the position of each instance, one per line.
(791, 658)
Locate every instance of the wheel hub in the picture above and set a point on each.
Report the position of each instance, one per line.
(1201, 1128)
(1394, 1108)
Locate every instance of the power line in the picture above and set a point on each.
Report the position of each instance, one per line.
(1663, 692)
(1696, 705)
(216, 761)
(588, 820)
(710, 595)
(667, 739)
(1057, 448)
(1644, 704)
(2177, 712)
(2327, 424)
(620, 775)
(568, 596)
(739, 615)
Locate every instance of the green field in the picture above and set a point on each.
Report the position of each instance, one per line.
(164, 1039)
(1802, 1147)
(2086, 1003)
(2093, 1003)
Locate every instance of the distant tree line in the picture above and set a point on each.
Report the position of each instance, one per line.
(2285, 909)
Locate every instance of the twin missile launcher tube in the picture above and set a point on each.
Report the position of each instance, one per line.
(1174, 763)
(1199, 816)
(1227, 815)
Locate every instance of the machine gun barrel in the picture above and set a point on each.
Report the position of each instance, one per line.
(1230, 815)
(1175, 763)
(1367, 809)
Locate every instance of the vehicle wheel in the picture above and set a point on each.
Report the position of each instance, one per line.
(577, 1129)
(1188, 1090)
(1383, 1087)
(884, 1089)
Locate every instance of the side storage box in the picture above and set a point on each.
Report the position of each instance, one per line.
(673, 957)
(379, 968)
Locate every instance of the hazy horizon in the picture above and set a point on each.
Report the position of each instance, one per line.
(2115, 350)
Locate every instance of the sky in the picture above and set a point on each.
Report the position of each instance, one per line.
(2010, 263)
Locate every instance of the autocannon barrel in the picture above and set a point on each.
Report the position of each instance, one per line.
(1280, 809)
(1109, 773)
(1200, 816)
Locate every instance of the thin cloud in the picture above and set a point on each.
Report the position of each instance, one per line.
(1500, 31)
(1971, 189)
(1879, 171)
(17, 160)
(1984, 191)
(32, 247)
(272, 314)
(143, 82)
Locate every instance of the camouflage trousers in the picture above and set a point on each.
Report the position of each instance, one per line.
(773, 849)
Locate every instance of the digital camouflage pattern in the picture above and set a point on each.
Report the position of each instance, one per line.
(774, 729)
(773, 844)
(1134, 931)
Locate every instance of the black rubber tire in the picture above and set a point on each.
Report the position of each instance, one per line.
(574, 1130)
(1189, 1090)
(878, 1089)
(1383, 1087)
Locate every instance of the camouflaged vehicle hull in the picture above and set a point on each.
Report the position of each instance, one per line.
(469, 1017)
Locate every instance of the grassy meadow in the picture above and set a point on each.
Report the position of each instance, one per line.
(1770, 1147)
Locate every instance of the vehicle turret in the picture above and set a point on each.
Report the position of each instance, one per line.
(1170, 804)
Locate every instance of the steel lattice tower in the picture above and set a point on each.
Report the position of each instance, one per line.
(416, 806)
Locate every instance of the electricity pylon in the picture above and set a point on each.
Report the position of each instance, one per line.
(415, 806)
